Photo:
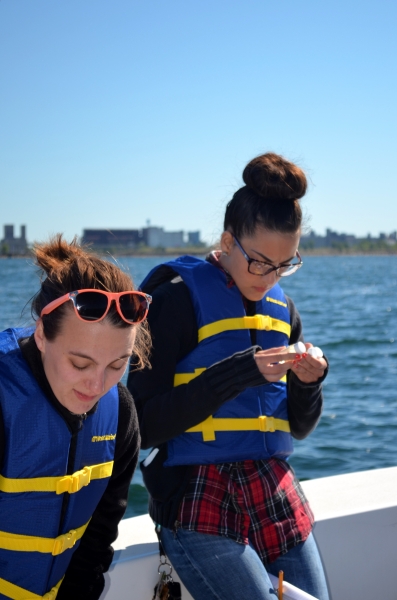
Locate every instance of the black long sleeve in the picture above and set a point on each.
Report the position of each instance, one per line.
(305, 400)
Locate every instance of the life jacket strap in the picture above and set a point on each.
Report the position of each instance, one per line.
(17, 593)
(262, 423)
(59, 485)
(74, 483)
(261, 322)
(30, 543)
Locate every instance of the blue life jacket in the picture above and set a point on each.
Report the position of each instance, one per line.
(254, 425)
(35, 545)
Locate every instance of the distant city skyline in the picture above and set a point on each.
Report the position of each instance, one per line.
(158, 237)
(209, 239)
(31, 239)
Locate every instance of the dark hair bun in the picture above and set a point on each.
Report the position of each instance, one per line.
(273, 177)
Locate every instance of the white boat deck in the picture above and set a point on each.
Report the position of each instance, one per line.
(356, 531)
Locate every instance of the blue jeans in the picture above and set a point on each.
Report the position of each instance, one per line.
(218, 568)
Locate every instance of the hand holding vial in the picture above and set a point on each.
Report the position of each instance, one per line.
(305, 360)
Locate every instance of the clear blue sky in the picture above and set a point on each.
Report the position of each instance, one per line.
(113, 112)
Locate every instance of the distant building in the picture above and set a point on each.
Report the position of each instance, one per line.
(11, 245)
(333, 239)
(153, 237)
(193, 238)
(113, 237)
(156, 237)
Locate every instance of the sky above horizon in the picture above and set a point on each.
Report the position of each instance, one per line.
(116, 114)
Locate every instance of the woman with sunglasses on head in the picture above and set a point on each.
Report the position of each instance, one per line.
(225, 397)
(69, 435)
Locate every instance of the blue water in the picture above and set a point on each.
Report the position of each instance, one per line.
(348, 307)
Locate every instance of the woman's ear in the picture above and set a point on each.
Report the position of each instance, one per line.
(227, 242)
(39, 336)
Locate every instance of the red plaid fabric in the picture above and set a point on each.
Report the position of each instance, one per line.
(258, 502)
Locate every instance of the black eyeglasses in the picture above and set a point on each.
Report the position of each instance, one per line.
(258, 267)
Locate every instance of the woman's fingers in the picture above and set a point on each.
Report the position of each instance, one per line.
(278, 350)
(309, 369)
(275, 362)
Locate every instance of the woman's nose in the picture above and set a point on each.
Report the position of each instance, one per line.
(271, 278)
(97, 383)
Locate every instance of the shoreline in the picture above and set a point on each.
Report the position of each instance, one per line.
(156, 253)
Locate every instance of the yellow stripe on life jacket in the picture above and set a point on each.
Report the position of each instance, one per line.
(59, 485)
(261, 322)
(181, 378)
(31, 543)
(262, 423)
(17, 593)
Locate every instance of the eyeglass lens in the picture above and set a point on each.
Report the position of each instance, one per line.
(91, 306)
(133, 307)
(259, 268)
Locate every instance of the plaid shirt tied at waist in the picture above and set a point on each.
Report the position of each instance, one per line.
(259, 502)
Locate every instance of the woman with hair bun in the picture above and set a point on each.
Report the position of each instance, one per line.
(225, 397)
(69, 434)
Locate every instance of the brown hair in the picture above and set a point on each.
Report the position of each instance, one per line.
(69, 267)
(269, 198)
